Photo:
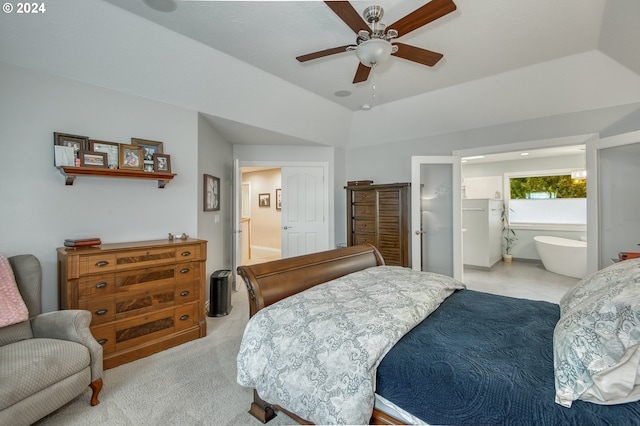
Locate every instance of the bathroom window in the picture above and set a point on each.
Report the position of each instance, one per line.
(552, 197)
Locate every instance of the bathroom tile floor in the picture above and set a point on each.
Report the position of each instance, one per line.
(526, 280)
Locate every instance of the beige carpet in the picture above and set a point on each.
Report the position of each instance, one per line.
(191, 384)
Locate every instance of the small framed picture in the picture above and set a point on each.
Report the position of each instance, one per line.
(110, 148)
(130, 157)
(149, 148)
(211, 193)
(264, 200)
(161, 163)
(93, 159)
(278, 199)
(77, 142)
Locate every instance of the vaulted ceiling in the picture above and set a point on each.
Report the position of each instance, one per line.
(504, 61)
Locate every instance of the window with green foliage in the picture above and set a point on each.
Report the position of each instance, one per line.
(546, 197)
(545, 187)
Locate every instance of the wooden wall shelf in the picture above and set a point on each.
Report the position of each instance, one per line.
(70, 174)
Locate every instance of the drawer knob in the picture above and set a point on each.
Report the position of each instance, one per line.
(184, 270)
(101, 285)
(185, 293)
(101, 311)
(186, 253)
(102, 263)
(184, 317)
(103, 341)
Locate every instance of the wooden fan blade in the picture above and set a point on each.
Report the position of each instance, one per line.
(349, 15)
(423, 15)
(322, 53)
(362, 73)
(417, 54)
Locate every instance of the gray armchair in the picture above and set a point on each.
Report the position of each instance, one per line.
(47, 361)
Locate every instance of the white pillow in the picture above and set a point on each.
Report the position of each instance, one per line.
(596, 342)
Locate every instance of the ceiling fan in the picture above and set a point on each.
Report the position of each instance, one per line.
(373, 41)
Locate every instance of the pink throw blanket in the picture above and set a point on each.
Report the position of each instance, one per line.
(12, 307)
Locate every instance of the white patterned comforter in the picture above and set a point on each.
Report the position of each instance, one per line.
(316, 353)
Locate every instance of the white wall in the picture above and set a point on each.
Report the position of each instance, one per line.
(39, 211)
(215, 158)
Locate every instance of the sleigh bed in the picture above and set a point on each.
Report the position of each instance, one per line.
(455, 356)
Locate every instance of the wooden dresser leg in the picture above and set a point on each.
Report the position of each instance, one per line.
(96, 386)
(260, 409)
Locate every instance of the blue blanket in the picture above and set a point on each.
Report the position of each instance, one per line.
(484, 359)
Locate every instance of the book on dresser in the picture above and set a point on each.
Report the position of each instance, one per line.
(144, 296)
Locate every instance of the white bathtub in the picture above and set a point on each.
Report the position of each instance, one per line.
(562, 255)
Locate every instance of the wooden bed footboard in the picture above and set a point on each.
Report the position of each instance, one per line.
(269, 282)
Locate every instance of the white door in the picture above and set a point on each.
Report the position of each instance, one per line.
(304, 211)
(613, 198)
(436, 215)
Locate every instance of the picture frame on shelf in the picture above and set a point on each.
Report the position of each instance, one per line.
(77, 142)
(211, 187)
(110, 148)
(131, 157)
(93, 159)
(278, 199)
(149, 148)
(264, 200)
(161, 163)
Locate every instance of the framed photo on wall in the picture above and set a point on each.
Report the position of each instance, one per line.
(211, 194)
(264, 200)
(278, 199)
(77, 142)
(161, 163)
(110, 148)
(131, 157)
(92, 159)
(149, 148)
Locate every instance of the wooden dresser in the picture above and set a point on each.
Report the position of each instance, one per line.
(145, 296)
(379, 215)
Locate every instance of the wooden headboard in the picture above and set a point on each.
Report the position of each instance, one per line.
(270, 282)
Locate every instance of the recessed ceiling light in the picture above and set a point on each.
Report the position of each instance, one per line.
(473, 157)
(524, 153)
(342, 93)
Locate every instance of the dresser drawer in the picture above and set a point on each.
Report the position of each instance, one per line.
(132, 303)
(146, 257)
(364, 225)
(145, 278)
(364, 210)
(97, 263)
(106, 336)
(188, 253)
(95, 286)
(364, 238)
(367, 197)
(102, 310)
(186, 316)
(140, 330)
(187, 271)
(187, 292)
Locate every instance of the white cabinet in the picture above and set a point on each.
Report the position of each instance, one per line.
(482, 236)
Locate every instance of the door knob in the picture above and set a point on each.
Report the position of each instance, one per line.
(287, 227)
(419, 232)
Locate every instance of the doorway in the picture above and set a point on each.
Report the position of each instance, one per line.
(280, 210)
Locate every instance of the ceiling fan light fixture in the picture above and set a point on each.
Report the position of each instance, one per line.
(373, 52)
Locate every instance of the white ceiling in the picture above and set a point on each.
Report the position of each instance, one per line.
(481, 38)
(538, 68)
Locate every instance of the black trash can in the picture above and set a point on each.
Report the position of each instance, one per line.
(219, 294)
